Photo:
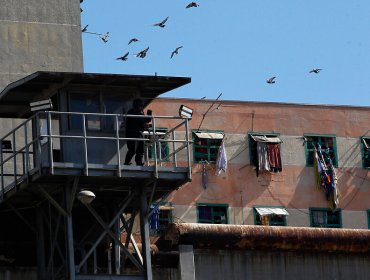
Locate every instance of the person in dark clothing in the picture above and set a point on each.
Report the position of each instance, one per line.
(134, 129)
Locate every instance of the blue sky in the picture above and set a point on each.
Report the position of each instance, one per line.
(234, 46)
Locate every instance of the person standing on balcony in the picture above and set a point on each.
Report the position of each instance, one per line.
(134, 129)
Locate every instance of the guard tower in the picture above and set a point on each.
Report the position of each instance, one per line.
(65, 195)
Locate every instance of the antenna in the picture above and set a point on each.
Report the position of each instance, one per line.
(209, 108)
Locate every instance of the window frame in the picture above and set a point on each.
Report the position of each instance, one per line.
(364, 152)
(252, 145)
(208, 146)
(255, 214)
(326, 210)
(307, 150)
(212, 205)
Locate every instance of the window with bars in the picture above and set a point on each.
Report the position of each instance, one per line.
(325, 218)
(328, 145)
(269, 216)
(212, 213)
(365, 151)
(206, 145)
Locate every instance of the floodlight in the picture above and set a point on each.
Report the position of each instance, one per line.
(41, 105)
(185, 112)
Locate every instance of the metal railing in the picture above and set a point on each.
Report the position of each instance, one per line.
(51, 139)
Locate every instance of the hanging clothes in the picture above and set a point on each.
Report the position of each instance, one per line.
(221, 162)
(263, 161)
(273, 153)
(154, 217)
(204, 175)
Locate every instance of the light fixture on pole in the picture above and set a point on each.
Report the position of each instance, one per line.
(86, 197)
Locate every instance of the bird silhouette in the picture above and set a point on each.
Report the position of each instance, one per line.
(124, 57)
(271, 80)
(105, 37)
(176, 51)
(142, 54)
(192, 4)
(85, 28)
(133, 40)
(162, 23)
(316, 70)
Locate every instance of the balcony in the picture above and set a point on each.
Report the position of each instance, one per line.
(50, 147)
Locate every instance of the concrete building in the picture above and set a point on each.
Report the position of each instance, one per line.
(239, 193)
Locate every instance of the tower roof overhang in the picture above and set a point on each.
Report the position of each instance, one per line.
(15, 98)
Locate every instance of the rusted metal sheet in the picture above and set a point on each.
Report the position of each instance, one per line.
(270, 238)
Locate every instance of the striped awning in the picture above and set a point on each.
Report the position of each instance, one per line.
(265, 211)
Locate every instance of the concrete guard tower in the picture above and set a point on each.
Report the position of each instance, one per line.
(66, 199)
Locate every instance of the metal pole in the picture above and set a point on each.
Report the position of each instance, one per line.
(174, 159)
(118, 150)
(50, 138)
(70, 247)
(117, 251)
(145, 240)
(40, 245)
(188, 146)
(85, 145)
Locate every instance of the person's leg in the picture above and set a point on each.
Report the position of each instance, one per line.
(139, 157)
(130, 152)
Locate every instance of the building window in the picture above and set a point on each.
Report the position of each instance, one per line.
(368, 218)
(162, 148)
(325, 217)
(270, 215)
(264, 151)
(160, 218)
(365, 151)
(212, 213)
(206, 144)
(328, 146)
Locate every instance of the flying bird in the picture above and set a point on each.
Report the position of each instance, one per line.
(162, 23)
(124, 57)
(85, 28)
(192, 4)
(105, 37)
(271, 80)
(142, 54)
(316, 70)
(133, 40)
(176, 51)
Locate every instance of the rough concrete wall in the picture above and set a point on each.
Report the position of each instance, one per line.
(220, 264)
(39, 35)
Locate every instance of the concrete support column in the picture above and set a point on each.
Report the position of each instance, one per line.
(186, 262)
(40, 245)
(70, 246)
(145, 240)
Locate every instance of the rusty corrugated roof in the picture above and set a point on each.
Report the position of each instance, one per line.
(270, 238)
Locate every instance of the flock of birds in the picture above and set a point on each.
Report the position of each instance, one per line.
(272, 79)
(143, 53)
(162, 24)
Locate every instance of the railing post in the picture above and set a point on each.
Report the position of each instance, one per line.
(188, 146)
(38, 141)
(2, 170)
(85, 145)
(50, 138)
(118, 150)
(27, 147)
(174, 157)
(155, 149)
(14, 160)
